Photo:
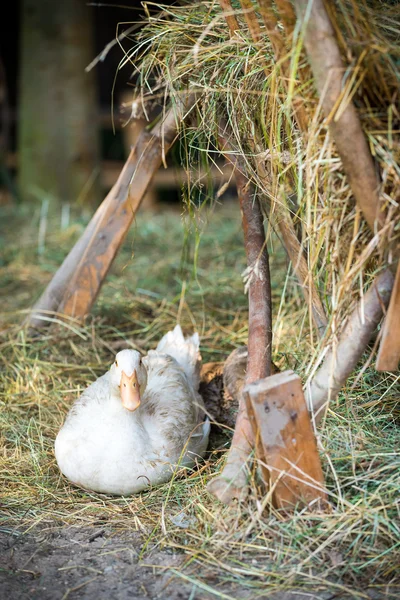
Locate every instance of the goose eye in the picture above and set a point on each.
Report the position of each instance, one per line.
(116, 363)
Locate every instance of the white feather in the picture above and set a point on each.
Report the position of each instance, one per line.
(185, 351)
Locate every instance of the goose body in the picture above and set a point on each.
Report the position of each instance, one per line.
(134, 426)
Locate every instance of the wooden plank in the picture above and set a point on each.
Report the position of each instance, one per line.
(285, 441)
(75, 285)
(125, 199)
(389, 350)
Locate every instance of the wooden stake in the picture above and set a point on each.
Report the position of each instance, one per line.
(232, 482)
(251, 20)
(389, 349)
(287, 15)
(286, 445)
(229, 15)
(90, 272)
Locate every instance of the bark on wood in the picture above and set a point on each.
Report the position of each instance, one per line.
(287, 15)
(232, 482)
(271, 27)
(286, 445)
(251, 20)
(389, 349)
(229, 16)
(328, 69)
(77, 282)
(340, 361)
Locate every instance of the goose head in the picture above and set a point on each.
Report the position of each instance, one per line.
(128, 378)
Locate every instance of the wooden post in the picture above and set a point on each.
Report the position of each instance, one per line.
(341, 359)
(389, 349)
(285, 441)
(232, 482)
(229, 16)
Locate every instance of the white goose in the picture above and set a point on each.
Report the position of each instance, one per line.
(133, 426)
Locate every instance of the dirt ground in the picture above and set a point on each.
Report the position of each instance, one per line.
(85, 563)
(94, 565)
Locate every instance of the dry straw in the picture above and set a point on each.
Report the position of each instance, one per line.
(229, 550)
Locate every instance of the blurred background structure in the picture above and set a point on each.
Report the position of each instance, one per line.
(64, 129)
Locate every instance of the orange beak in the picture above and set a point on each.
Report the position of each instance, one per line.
(130, 391)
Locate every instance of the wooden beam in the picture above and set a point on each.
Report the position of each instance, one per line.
(285, 441)
(342, 358)
(389, 350)
(251, 19)
(345, 126)
(75, 286)
(229, 15)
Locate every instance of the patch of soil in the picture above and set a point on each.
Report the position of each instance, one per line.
(70, 563)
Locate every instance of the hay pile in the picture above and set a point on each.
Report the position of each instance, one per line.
(189, 47)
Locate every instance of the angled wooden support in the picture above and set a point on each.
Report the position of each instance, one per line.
(76, 284)
(389, 350)
(345, 126)
(340, 360)
(285, 441)
(229, 15)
